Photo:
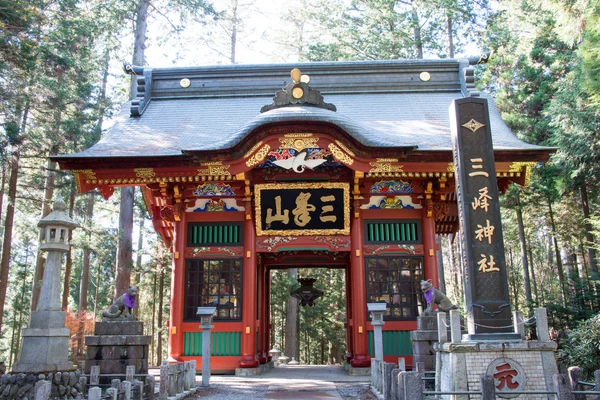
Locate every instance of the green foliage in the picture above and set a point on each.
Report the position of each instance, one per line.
(582, 347)
(392, 29)
(321, 333)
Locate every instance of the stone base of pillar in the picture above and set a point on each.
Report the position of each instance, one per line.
(117, 344)
(45, 345)
(517, 365)
(359, 371)
(423, 340)
(248, 371)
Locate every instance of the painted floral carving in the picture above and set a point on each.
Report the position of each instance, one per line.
(390, 203)
(391, 187)
(214, 189)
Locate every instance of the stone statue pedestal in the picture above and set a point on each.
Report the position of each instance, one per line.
(45, 345)
(117, 344)
(515, 365)
(423, 340)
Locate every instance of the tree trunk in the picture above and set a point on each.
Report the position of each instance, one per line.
(85, 273)
(20, 323)
(69, 262)
(440, 264)
(526, 280)
(234, 24)
(559, 266)
(533, 279)
(139, 44)
(152, 325)
(161, 288)
(417, 33)
(46, 208)
(98, 273)
(2, 185)
(8, 228)
(291, 338)
(138, 258)
(590, 241)
(125, 245)
(513, 282)
(450, 36)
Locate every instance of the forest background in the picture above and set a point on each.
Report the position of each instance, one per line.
(61, 82)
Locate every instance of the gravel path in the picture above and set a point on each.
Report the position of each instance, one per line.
(260, 390)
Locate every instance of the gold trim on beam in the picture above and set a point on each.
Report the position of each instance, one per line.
(253, 149)
(345, 148)
(385, 165)
(298, 144)
(214, 168)
(340, 155)
(298, 135)
(258, 156)
(518, 166)
(409, 174)
(144, 173)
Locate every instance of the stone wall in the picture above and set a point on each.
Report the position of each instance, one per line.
(65, 385)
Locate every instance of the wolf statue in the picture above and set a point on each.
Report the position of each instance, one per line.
(433, 295)
(123, 306)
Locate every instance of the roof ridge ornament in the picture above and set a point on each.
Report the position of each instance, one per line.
(298, 92)
(143, 86)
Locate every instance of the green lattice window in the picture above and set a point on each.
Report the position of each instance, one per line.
(393, 232)
(220, 233)
(221, 343)
(395, 343)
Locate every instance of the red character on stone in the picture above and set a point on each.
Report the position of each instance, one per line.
(505, 375)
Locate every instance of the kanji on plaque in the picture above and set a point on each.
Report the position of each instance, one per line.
(486, 265)
(483, 201)
(477, 163)
(283, 217)
(327, 209)
(485, 232)
(505, 376)
(303, 209)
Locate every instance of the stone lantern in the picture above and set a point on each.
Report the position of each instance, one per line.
(206, 317)
(46, 342)
(377, 310)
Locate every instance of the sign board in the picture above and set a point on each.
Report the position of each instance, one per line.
(486, 285)
(321, 208)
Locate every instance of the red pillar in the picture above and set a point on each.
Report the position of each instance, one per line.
(177, 291)
(262, 294)
(349, 341)
(249, 297)
(429, 245)
(359, 301)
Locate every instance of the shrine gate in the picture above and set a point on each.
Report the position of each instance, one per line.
(349, 166)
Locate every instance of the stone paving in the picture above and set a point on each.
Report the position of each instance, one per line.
(327, 382)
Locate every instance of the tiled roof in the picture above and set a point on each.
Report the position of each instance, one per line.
(379, 104)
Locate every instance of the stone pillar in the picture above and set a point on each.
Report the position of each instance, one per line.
(206, 315)
(46, 342)
(377, 310)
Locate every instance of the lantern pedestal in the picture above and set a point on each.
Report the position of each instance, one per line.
(45, 344)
